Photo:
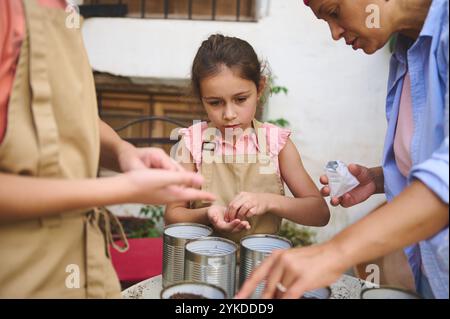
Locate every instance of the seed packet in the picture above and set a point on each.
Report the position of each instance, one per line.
(340, 180)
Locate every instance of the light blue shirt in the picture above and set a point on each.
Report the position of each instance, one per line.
(426, 59)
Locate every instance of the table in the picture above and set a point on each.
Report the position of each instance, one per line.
(347, 287)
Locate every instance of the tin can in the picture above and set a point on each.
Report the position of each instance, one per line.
(212, 260)
(321, 293)
(174, 240)
(254, 249)
(385, 292)
(192, 290)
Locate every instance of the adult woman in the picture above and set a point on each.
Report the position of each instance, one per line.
(51, 143)
(414, 174)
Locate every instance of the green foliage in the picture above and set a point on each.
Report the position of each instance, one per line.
(278, 89)
(155, 213)
(280, 122)
(299, 235)
(275, 88)
(147, 229)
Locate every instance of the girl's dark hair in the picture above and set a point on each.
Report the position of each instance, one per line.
(219, 51)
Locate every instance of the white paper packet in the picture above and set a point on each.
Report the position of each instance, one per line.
(340, 180)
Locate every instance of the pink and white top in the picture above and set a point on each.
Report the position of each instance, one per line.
(276, 138)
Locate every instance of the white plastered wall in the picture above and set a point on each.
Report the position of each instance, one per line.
(336, 98)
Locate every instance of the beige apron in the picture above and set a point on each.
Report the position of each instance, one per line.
(394, 270)
(226, 176)
(52, 131)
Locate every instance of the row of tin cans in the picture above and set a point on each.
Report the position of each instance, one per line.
(194, 262)
(191, 254)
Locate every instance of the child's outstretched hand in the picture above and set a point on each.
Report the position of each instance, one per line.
(246, 205)
(216, 215)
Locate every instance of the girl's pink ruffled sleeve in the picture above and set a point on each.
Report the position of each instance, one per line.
(277, 138)
(193, 140)
(283, 137)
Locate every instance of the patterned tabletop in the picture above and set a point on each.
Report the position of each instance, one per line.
(347, 287)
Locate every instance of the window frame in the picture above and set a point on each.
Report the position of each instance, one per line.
(118, 8)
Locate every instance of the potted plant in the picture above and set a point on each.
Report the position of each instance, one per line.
(299, 235)
(142, 226)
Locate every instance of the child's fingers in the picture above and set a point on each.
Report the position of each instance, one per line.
(239, 226)
(246, 225)
(233, 226)
(212, 215)
(231, 211)
(234, 207)
(243, 210)
(251, 212)
(220, 224)
(226, 215)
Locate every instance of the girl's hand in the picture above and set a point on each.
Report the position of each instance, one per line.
(359, 194)
(246, 205)
(156, 186)
(216, 216)
(290, 273)
(131, 158)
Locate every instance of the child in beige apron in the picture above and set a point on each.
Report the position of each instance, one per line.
(228, 175)
(244, 170)
(52, 131)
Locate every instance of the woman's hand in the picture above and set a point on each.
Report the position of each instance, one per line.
(131, 158)
(216, 215)
(246, 205)
(290, 273)
(369, 180)
(156, 186)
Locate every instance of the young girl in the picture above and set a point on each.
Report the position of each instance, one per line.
(244, 162)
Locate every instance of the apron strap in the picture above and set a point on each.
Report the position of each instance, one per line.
(42, 108)
(261, 138)
(208, 144)
(41, 104)
(109, 219)
(208, 156)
